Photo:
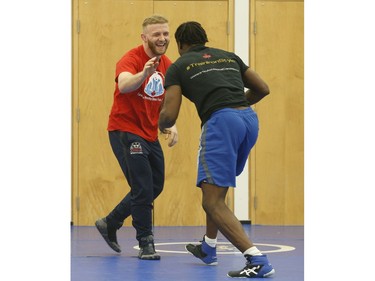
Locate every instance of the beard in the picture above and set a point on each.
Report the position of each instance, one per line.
(158, 50)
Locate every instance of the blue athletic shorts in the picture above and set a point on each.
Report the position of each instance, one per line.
(225, 143)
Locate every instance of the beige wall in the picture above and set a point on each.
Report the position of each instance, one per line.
(277, 170)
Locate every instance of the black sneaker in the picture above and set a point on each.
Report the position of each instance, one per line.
(256, 267)
(109, 234)
(147, 249)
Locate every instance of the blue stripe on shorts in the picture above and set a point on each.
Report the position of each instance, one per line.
(225, 143)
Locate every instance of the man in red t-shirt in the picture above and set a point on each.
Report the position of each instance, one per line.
(133, 134)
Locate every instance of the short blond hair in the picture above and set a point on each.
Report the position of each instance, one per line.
(154, 19)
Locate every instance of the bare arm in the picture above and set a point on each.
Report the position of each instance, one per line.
(258, 89)
(128, 82)
(171, 107)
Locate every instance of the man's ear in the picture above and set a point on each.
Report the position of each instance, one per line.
(144, 38)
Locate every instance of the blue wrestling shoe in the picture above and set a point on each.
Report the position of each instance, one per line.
(204, 252)
(256, 267)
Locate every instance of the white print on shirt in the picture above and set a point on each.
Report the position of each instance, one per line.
(155, 87)
(148, 98)
(214, 69)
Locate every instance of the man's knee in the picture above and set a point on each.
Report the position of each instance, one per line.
(213, 197)
(209, 205)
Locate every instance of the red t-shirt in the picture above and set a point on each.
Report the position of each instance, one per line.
(138, 112)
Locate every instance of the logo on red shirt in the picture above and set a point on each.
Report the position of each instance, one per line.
(154, 87)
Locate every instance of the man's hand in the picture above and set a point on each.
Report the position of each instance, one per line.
(151, 66)
(171, 134)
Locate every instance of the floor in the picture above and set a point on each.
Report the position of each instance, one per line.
(93, 260)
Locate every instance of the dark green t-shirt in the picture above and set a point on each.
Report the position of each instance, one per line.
(211, 78)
